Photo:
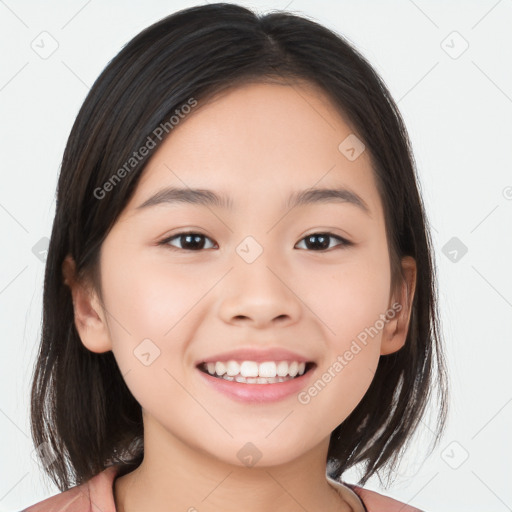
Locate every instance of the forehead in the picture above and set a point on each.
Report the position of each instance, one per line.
(261, 139)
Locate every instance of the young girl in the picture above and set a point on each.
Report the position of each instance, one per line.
(239, 298)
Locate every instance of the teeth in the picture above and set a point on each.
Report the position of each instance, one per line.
(257, 380)
(232, 368)
(256, 373)
(267, 369)
(282, 369)
(220, 369)
(249, 369)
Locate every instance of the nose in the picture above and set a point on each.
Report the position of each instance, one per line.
(259, 296)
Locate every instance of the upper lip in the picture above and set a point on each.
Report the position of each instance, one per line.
(256, 355)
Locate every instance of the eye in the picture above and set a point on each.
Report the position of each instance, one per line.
(321, 241)
(191, 241)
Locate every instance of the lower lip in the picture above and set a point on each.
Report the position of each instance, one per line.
(244, 392)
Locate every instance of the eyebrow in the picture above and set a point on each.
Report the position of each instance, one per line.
(204, 197)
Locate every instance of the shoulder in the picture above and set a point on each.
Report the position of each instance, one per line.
(375, 502)
(98, 490)
(76, 499)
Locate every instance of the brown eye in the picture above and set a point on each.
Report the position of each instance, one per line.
(322, 241)
(189, 241)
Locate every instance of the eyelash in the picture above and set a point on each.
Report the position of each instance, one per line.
(344, 242)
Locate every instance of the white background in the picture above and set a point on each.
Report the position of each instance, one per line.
(458, 112)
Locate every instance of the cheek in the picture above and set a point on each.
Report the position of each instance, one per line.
(149, 306)
(338, 389)
(349, 298)
(147, 298)
(350, 295)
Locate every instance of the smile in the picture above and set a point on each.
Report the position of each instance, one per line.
(252, 372)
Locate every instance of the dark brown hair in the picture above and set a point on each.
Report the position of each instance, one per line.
(83, 416)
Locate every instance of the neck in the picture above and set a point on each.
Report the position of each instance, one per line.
(192, 480)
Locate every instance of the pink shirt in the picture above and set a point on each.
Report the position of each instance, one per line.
(97, 495)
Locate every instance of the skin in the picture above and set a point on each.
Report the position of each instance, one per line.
(257, 143)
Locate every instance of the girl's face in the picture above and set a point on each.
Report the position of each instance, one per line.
(253, 277)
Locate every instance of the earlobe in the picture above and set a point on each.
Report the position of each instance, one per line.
(89, 315)
(395, 331)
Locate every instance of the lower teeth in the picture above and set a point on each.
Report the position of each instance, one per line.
(255, 380)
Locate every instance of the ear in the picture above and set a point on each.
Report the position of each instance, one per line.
(89, 313)
(395, 330)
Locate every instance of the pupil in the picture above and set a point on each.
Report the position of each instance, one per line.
(196, 241)
(324, 241)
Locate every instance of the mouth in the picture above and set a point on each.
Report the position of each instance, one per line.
(253, 372)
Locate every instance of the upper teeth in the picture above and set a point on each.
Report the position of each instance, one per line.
(253, 369)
